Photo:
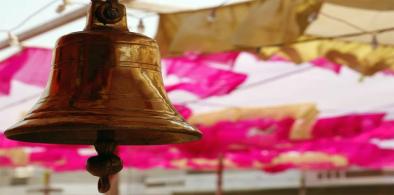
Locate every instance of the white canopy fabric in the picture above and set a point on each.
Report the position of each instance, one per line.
(335, 20)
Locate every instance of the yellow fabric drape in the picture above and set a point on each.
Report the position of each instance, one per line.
(308, 158)
(249, 24)
(303, 114)
(283, 23)
(208, 164)
(18, 156)
(302, 160)
(384, 5)
(362, 57)
(194, 31)
(275, 22)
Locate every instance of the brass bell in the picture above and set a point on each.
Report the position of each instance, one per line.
(105, 89)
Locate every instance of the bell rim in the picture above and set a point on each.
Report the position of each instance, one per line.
(167, 135)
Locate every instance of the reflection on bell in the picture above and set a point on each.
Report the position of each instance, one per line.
(105, 84)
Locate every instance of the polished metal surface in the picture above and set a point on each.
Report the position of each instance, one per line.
(105, 84)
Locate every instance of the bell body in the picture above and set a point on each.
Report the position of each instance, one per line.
(105, 84)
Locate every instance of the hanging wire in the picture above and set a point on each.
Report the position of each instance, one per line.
(260, 83)
(141, 17)
(16, 103)
(343, 22)
(348, 35)
(374, 38)
(276, 78)
(35, 13)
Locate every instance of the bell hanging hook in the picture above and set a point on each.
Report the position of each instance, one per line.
(110, 12)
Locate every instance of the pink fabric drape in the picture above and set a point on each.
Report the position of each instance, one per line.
(326, 64)
(224, 59)
(201, 78)
(30, 65)
(320, 62)
(243, 143)
(227, 136)
(183, 110)
(346, 126)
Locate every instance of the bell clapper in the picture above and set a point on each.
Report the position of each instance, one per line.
(105, 164)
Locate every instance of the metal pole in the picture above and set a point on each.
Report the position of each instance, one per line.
(219, 175)
(47, 189)
(302, 190)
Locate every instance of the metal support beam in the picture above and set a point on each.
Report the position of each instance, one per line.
(40, 29)
(163, 8)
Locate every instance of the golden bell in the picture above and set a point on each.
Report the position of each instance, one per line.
(105, 84)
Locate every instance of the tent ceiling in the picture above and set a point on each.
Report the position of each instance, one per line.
(334, 20)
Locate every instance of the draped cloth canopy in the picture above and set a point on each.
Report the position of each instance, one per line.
(358, 34)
